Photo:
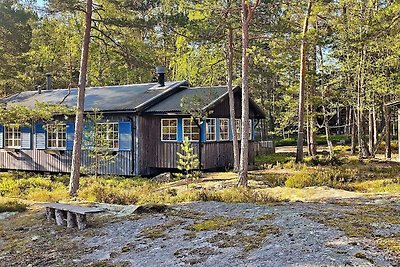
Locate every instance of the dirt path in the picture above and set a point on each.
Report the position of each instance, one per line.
(361, 232)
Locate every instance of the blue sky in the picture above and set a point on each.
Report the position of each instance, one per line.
(40, 2)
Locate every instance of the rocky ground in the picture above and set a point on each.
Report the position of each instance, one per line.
(358, 232)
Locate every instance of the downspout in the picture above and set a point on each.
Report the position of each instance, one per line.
(200, 143)
(133, 137)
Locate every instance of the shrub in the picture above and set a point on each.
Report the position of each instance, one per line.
(12, 206)
(301, 179)
(332, 177)
(291, 141)
(275, 158)
(323, 161)
(237, 195)
(321, 140)
(271, 179)
(341, 149)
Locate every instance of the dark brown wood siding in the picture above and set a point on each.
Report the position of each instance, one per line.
(221, 110)
(156, 154)
(39, 160)
(214, 155)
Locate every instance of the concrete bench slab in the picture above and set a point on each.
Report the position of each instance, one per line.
(69, 215)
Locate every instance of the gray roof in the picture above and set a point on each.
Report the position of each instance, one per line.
(211, 95)
(173, 102)
(108, 98)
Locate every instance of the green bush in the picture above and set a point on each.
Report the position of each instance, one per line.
(335, 138)
(275, 158)
(323, 161)
(270, 179)
(237, 195)
(301, 179)
(333, 177)
(291, 141)
(321, 140)
(12, 206)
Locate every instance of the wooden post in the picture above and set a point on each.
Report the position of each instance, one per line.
(71, 220)
(60, 217)
(81, 221)
(50, 214)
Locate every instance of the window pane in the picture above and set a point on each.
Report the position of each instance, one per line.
(169, 129)
(12, 137)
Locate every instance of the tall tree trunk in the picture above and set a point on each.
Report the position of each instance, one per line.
(302, 88)
(244, 152)
(348, 120)
(371, 133)
(76, 153)
(363, 148)
(338, 120)
(327, 133)
(235, 142)
(353, 131)
(375, 125)
(398, 133)
(312, 117)
(388, 134)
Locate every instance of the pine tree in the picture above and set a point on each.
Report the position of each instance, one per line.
(188, 162)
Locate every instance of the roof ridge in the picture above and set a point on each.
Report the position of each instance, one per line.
(168, 84)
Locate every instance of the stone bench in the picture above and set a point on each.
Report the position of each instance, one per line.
(69, 215)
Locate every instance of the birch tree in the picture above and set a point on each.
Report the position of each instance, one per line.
(76, 153)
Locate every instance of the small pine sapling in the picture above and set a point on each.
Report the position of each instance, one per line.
(188, 162)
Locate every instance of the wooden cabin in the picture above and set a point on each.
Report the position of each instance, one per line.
(145, 125)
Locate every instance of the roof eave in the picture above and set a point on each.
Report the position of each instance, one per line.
(220, 99)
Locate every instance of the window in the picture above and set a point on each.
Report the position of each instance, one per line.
(223, 129)
(210, 130)
(250, 128)
(169, 129)
(239, 128)
(190, 130)
(109, 135)
(12, 137)
(56, 136)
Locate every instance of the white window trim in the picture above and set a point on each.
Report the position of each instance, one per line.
(169, 140)
(228, 130)
(239, 129)
(47, 137)
(190, 134)
(215, 130)
(238, 124)
(112, 122)
(14, 130)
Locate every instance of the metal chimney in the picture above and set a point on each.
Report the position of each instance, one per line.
(160, 70)
(48, 81)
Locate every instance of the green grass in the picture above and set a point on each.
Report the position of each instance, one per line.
(280, 171)
(124, 191)
(12, 206)
(275, 158)
(321, 140)
(217, 223)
